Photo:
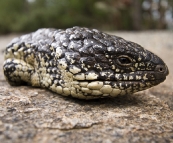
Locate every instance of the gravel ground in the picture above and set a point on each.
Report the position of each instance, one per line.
(30, 114)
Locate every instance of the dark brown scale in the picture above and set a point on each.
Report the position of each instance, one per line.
(88, 61)
(101, 58)
(108, 75)
(64, 39)
(75, 45)
(72, 57)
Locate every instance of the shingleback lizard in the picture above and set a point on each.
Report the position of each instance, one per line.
(82, 63)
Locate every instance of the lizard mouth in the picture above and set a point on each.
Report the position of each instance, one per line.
(121, 85)
(139, 76)
(107, 80)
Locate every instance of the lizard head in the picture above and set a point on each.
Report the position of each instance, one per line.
(103, 65)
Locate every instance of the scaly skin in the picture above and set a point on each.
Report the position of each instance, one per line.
(82, 63)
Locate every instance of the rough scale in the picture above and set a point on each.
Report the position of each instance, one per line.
(82, 63)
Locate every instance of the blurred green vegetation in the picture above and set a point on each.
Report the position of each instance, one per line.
(29, 15)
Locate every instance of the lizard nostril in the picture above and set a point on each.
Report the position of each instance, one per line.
(162, 69)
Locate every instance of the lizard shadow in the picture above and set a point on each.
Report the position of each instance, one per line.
(120, 101)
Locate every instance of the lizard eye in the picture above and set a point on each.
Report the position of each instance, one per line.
(124, 60)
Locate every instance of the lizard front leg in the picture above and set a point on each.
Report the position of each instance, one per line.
(17, 72)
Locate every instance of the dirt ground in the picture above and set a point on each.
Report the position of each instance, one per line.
(30, 114)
